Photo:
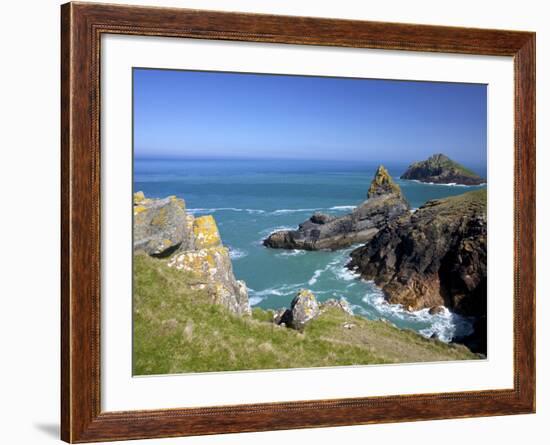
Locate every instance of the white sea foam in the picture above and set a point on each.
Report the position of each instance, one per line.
(450, 184)
(345, 274)
(281, 291)
(342, 208)
(255, 300)
(445, 325)
(285, 211)
(220, 209)
(236, 254)
(316, 276)
(271, 230)
(294, 252)
(336, 266)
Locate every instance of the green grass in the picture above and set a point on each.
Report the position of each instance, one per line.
(459, 167)
(176, 330)
(475, 200)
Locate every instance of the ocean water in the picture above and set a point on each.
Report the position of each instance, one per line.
(251, 198)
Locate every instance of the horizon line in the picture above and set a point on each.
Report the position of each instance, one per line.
(246, 158)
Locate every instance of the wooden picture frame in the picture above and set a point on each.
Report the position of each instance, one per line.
(82, 25)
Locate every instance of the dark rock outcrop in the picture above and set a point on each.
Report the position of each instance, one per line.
(439, 169)
(384, 203)
(436, 256)
(162, 228)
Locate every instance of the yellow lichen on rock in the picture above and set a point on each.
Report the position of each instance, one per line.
(203, 263)
(180, 202)
(383, 184)
(139, 209)
(139, 197)
(206, 232)
(160, 218)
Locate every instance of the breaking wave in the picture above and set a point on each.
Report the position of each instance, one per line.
(255, 300)
(450, 184)
(294, 252)
(285, 211)
(225, 209)
(236, 254)
(445, 325)
(342, 208)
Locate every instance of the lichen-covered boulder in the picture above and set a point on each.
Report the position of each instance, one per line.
(161, 226)
(304, 307)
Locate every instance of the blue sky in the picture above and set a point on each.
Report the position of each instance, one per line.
(191, 114)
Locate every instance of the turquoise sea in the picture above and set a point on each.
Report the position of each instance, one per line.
(252, 198)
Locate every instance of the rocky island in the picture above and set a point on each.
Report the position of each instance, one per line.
(436, 256)
(192, 315)
(439, 169)
(384, 203)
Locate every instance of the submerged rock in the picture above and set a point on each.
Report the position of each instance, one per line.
(434, 257)
(385, 203)
(439, 169)
(162, 228)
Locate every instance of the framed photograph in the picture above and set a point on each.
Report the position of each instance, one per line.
(274, 222)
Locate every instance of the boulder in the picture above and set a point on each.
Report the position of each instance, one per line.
(303, 308)
(384, 204)
(340, 304)
(161, 226)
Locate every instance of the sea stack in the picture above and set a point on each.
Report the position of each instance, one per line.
(440, 169)
(384, 204)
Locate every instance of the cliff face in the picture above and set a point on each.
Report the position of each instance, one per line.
(436, 256)
(162, 228)
(439, 169)
(385, 203)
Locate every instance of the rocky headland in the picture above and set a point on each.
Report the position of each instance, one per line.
(440, 169)
(436, 256)
(384, 204)
(192, 315)
(163, 228)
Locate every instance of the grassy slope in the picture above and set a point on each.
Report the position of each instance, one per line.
(176, 331)
(459, 167)
(459, 204)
